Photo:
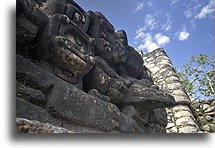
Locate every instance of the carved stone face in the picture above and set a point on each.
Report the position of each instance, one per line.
(121, 49)
(70, 9)
(123, 37)
(66, 46)
(109, 45)
(77, 15)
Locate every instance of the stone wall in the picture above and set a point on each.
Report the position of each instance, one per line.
(181, 117)
(206, 112)
(76, 73)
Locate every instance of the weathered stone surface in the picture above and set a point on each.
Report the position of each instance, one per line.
(205, 106)
(76, 72)
(183, 114)
(32, 126)
(68, 102)
(210, 109)
(185, 121)
(182, 100)
(211, 114)
(170, 125)
(28, 22)
(206, 114)
(160, 117)
(208, 118)
(164, 75)
(27, 110)
(188, 129)
(143, 96)
(173, 130)
(181, 108)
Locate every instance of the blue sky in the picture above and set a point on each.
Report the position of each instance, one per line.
(182, 27)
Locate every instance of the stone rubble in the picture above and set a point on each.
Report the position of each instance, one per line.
(206, 114)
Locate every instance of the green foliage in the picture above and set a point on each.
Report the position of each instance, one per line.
(198, 76)
(40, 7)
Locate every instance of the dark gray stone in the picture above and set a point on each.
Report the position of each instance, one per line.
(82, 75)
(145, 97)
(67, 102)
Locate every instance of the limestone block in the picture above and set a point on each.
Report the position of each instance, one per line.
(174, 86)
(211, 114)
(210, 109)
(181, 100)
(165, 65)
(178, 108)
(149, 59)
(188, 129)
(168, 72)
(213, 103)
(150, 65)
(185, 121)
(159, 52)
(162, 58)
(205, 106)
(172, 79)
(180, 91)
(173, 130)
(154, 69)
(183, 114)
(170, 125)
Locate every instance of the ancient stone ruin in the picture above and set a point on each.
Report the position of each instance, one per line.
(76, 74)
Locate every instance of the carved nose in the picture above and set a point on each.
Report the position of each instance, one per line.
(91, 60)
(60, 39)
(66, 19)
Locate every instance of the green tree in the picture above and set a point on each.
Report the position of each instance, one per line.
(198, 76)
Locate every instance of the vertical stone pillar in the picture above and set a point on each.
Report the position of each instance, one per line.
(181, 117)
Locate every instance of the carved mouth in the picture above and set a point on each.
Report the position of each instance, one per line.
(66, 75)
(68, 46)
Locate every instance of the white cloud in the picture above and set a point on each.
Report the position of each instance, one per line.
(211, 37)
(188, 13)
(148, 46)
(146, 42)
(149, 3)
(167, 26)
(150, 22)
(138, 7)
(208, 9)
(149, 42)
(192, 10)
(161, 39)
(173, 2)
(139, 35)
(183, 35)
